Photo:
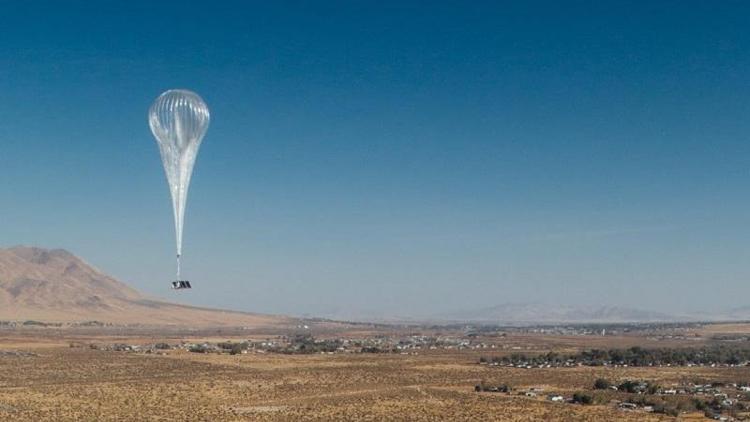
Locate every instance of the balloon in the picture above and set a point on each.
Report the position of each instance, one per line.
(179, 120)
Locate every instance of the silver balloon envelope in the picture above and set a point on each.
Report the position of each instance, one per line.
(178, 119)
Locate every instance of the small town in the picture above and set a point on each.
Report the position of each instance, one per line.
(710, 356)
(719, 401)
(307, 344)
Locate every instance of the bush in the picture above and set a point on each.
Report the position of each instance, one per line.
(601, 384)
(582, 398)
(628, 386)
(699, 404)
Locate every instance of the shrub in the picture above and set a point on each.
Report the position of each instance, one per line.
(582, 398)
(601, 384)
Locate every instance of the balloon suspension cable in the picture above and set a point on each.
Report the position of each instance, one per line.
(178, 267)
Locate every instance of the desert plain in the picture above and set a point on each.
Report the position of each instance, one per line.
(79, 345)
(113, 373)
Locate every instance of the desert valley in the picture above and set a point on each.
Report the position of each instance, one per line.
(374, 211)
(76, 344)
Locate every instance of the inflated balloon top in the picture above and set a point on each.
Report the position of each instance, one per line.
(179, 119)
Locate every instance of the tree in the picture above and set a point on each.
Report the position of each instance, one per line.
(628, 386)
(237, 348)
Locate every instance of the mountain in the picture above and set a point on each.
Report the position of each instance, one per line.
(537, 313)
(734, 314)
(56, 286)
(512, 314)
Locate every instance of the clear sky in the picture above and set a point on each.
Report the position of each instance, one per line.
(402, 157)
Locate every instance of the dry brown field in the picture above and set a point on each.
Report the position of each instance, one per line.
(64, 383)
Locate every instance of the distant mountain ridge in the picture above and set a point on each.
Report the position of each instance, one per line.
(528, 313)
(515, 314)
(55, 285)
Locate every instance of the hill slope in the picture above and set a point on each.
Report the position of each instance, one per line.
(54, 285)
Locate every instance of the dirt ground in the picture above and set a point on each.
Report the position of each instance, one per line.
(64, 383)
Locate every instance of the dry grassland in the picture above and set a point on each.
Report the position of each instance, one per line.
(65, 383)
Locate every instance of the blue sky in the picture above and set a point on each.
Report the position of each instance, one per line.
(396, 157)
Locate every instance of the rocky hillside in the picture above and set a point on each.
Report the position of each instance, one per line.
(55, 285)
